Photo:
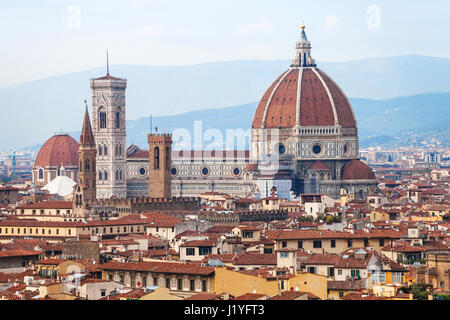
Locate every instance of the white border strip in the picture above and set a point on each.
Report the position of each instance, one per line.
(263, 123)
(336, 120)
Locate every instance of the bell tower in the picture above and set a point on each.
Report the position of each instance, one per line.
(85, 190)
(109, 127)
(160, 178)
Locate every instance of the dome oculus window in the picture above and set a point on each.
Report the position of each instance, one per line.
(142, 171)
(317, 149)
(236, 171)
(205, 171)
(174, 171)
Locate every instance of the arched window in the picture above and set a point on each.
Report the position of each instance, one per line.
(156, 160)
(117, 150)
(41, 174)
(120, 175)
(117, 175)
(168, 165)
(100, 149)
(105, 150)
(117, 120)
(100, 176)
(120, 150)
(102, 119)
(87, 165)
(106, 175)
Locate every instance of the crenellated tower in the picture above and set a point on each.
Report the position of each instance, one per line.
(160, 165)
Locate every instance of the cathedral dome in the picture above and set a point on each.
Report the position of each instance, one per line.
(357, 170)
(306, 97)
(303, 95)
(61, 149)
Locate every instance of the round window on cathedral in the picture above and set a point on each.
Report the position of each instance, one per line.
(205, 171)
(317, 149)
(281, 149)
(174, 171)
(142, 171)
(236, 171)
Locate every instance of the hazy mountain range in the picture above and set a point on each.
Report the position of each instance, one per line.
(178, 95)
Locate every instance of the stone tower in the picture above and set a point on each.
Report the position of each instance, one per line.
(160, 179)
(85, 190)
(108, 122)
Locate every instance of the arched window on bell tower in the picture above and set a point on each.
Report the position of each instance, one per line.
(102, 118)
(117, 120)
(156, 160)
(87, 165)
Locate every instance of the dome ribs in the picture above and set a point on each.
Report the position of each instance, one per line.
(282, 108)
(321, 102)
(58, 150)
(314, 109)
(343, 108)
(259, 113)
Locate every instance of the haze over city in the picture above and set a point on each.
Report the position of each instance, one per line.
(238, 151)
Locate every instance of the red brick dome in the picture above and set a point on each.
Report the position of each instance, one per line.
(316, 101)
(61, 149)
(357, 170)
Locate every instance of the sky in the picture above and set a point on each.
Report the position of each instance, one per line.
(44, 38)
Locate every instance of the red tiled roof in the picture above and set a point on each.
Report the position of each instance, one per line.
(204, 296)
(47, 205)
(256, 259)
(160, 220)
(278, 106)
(18, 253)
(292, 295)
(250, 296)
(108, 77)
(318, 165)
(357, 170)
(351, 285)
(58, 150)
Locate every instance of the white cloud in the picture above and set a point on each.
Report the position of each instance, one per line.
(331, 22)
(256, 27)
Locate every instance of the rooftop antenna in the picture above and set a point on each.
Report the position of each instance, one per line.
(107, 63)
